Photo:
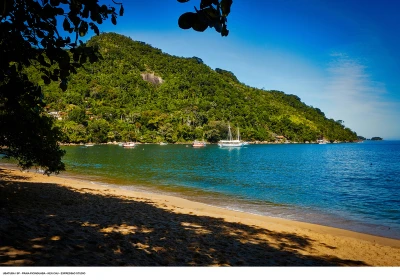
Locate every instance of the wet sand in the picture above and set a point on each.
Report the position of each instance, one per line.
(54, 221)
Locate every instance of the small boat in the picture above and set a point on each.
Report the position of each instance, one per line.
(89, 145)
(230, 142)
(163, 143)
(197, 144)
(128, 145)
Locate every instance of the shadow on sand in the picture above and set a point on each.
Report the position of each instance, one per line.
(50, 225)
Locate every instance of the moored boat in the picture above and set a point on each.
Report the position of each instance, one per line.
(230, 142)
(128, 145)
(197, 144)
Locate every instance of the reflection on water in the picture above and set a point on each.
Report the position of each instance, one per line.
(353, 186)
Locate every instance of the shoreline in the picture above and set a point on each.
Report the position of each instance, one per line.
(209, 143)
(314, 218)
(287, 242)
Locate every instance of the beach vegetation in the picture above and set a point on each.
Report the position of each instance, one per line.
(136, 92)
(31, 36)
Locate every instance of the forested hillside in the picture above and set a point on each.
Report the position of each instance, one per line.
(136, 92)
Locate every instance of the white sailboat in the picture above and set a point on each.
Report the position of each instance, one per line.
(230, 142)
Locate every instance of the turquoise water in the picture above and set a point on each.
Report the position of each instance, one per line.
(352, 186)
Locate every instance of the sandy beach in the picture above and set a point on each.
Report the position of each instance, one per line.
(54, 221)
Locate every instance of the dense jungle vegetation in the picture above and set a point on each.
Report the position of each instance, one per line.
(135, 92)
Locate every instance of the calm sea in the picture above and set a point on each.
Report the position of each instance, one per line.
(351, 186)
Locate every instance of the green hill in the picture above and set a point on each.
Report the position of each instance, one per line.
(137, 92)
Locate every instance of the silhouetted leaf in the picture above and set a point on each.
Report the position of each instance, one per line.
(66, 25)
(185, 21)
(40, 34)
(199, 25)
(45, 79)
(55, 2)
(211, 13)
(224, 31)
(63, 85)
(31, 32)
(72, 69)
(83, 28)
(121, 11)
(82, 59)
(75, 56)
(42, 61)
(218, 27)
(59, 11)
(94, 28)
(85, 12)
(207, 3)
(226, 7)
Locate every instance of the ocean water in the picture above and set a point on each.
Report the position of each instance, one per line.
(353, 186)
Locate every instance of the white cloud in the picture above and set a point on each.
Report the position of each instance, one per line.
(352, 95)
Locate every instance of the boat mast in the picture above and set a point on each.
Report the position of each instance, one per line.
(229, 132)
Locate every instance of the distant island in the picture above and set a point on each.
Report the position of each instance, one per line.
(376, 138)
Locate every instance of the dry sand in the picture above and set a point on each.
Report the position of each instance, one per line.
(53, 221)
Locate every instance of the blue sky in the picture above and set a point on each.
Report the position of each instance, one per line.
(337, 55)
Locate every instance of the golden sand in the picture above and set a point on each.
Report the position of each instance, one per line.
(54, 221)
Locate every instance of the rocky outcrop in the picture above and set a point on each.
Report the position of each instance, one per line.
(149, 77)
